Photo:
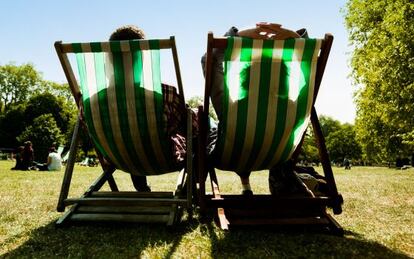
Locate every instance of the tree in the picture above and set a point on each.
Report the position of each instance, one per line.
(61, 110)
(309, 151)
(16, 84)
(42, 133)
(343, 144)
(382, 68)
(328, 125)
(340, 141)
(61, 90)
(12, 124)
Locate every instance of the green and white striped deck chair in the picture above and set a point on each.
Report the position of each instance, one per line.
(270, 88)
(121, 102)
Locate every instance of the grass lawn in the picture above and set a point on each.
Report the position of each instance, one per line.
(378, 219)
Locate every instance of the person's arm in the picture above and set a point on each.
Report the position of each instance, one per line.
(265, 30)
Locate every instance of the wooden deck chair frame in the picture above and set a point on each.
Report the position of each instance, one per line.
(234, 210)
(122, 206)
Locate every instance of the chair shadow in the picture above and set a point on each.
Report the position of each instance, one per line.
(265, 242)
(100, 240)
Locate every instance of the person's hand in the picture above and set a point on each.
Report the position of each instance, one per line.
(266, 30)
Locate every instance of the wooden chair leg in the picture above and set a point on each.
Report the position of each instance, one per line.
(189, 159)
(112, 183)
(173, 215)
(62, 221)
(201, 158)
(326, 164)
(334, 226)
(221, 214)
(185, 177)
(100, 181)
(67, 178)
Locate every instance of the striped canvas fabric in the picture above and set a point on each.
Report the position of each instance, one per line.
(268, 95)
(122, 99)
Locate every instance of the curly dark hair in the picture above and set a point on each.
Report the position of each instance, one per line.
(127, 32)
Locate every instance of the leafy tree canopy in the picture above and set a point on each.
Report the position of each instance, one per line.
(342, 144)
(196, 101)
(24, 96)
(340, 141)
(42, 133)
(16, 83)
(381, 33)
(328, 125)
(61, 110)
(12, 124)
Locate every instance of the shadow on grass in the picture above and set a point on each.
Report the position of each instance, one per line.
(100, 240)
(265, 242)
(129, 240)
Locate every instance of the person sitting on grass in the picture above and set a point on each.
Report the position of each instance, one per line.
(54, 161)
(27, 156)
(19, 158)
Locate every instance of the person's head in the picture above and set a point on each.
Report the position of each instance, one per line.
(52, 149)
(27, 144)
(127, 32)
(19, 149)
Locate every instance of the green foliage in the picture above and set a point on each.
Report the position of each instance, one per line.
(24, 96)
(61, 90)
(328, 125)
(12, 124)
(382, 63)
(309, 152)
(61, 110)
(196, 101)
(17, 83)
(340, 141)
(19, 116)
(42, 133)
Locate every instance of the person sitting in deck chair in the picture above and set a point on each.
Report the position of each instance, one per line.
(280, 181)
(27, 156)
(174, 115)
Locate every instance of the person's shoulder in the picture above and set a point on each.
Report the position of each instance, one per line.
(54, 154)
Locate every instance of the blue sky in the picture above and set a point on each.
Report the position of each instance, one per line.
(29, 28)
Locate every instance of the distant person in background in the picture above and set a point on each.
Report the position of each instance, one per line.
(54, 161)
(347, 164)
(19, 158)
(27, 156)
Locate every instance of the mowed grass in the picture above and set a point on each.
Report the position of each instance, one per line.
(378, 219)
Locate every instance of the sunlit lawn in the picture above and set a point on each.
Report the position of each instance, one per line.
(378, 219)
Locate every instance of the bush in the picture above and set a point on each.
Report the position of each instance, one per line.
(43, 133)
